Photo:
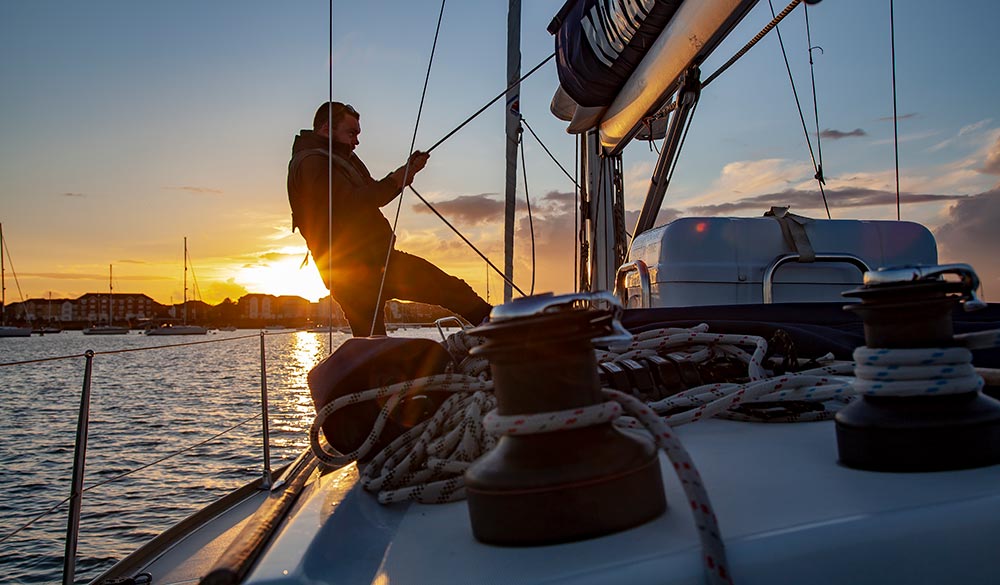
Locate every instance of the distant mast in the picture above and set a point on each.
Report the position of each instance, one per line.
(185, 280)
(3, 284)
(513, 119)
(111, 294)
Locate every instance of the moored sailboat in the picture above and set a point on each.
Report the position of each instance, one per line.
(48, 326)
(183, 328)
(5, 329)
(108, 328)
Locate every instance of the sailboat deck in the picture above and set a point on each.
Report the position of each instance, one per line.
(788, 511)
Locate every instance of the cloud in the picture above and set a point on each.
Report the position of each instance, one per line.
(85, 276)
(71, 194)
(903, 117)
(199, 190)
(468, 209)
(908, 137)
(561, 198)
(126, 261)
(970, 235)
(963, 132)
(968, 129)
(838, 134)
(991, 165)
(801, 199)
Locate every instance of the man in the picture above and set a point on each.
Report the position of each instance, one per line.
(352, 265)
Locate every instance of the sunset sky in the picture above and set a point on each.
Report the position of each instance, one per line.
(126, 126)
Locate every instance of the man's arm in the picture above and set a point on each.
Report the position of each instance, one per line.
(315, 172)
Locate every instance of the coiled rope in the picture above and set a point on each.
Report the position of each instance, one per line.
(426, 463)
(922, 372)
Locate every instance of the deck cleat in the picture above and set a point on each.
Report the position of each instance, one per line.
(569, 483)
(921, 406)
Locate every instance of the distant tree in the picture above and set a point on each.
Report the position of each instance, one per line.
(226, 312)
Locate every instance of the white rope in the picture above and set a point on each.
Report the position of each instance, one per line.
(695, 345)
(426, 463)
(915, 372)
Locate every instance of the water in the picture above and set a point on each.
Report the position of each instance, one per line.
(145, 405)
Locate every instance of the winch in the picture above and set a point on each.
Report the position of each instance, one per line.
(921, 406)
(566, 482)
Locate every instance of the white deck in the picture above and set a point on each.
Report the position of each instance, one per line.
(788, 511)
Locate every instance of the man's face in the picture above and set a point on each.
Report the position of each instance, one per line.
(346, 131)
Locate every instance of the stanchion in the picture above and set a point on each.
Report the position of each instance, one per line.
(266, 483)
(79, 461)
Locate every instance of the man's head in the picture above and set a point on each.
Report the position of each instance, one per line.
(339, 121)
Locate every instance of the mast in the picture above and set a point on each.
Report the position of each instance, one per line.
(185, 280)
(111, 294)
(513, 125)
(3, 284)
(602, 217)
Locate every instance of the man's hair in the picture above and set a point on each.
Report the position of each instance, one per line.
(340, 111)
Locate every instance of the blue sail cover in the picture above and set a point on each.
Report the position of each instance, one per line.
(600, 42)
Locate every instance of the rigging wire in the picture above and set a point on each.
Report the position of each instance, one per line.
(774, 22)
(10, 263)
(406, 172)
(576, 212)
(812, 76)
(329, 186)
(798, 104)
(548, 152)
(680, 145)
(490, 103)
(527, 200)
(895, 118)
(466, 240)
(197, 289)
(125, 474)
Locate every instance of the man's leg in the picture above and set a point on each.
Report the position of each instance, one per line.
(411, 278)
(356, 294)
(359, 308)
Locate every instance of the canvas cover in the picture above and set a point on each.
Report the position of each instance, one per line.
(600, 42)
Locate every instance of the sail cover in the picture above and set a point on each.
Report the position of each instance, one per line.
(600, 42)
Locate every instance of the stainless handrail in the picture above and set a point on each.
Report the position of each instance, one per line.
(439, 323)
(768, 278)
(621, 291)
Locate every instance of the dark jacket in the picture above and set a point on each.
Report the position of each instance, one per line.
(361, 234)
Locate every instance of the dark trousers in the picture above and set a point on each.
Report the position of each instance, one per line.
(410, 278)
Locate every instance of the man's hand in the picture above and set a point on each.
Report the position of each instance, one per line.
(418, 160)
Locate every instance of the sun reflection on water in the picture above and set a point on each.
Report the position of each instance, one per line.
(304, 352)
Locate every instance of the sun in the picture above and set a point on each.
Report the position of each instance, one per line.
(283, 275)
